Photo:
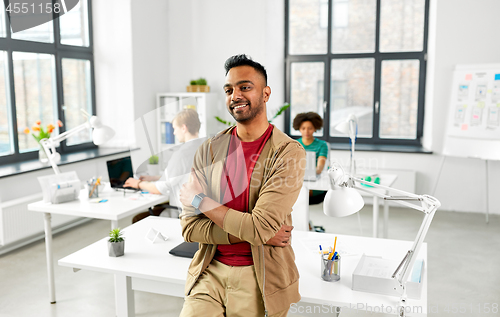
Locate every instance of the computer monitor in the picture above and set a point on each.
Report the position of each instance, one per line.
(119, 171)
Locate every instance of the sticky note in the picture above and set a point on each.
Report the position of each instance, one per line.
(480, 104)
(497, 76)
(498, 105)
(469, 77)
(489, 91)
(465, 127)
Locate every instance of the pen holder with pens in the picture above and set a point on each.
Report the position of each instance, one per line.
(93, 187)
(330, 269)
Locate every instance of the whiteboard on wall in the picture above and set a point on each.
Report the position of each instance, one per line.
(473, 126)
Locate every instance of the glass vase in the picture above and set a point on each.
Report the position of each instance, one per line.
(42, 156)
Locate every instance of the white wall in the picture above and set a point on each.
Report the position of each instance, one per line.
(203, 34)
(114, 85)
(131, 52)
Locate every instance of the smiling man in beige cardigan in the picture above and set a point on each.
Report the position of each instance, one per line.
(238, 206)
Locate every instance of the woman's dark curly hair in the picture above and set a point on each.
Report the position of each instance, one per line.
(313, 117)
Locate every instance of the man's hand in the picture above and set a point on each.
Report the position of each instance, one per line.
(190, 189)
(282, 237)
(132, 182)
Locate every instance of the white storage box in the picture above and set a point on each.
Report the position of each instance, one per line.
(373, 275)
(60, 188)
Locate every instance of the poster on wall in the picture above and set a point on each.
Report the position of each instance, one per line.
(475, 104)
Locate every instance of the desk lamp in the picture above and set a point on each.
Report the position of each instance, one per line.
(350, 127)
(343, 199)
(100, 135)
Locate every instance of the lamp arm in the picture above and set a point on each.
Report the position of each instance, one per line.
(422, 232)
(49, 144)
(401, 192)
(46, 145)
(67, 134)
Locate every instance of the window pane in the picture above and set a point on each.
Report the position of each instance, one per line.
(2, 23)
(353, 26)
(402, 25)
(307, 90)
(308, 27)
(41, 33)
(399, 99)
(352, 92)
(77, 95)
(6, 144)
(34, 83)
(74, 25)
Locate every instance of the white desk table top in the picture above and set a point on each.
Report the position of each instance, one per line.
(143, 259)
(117, 207)
(323, 182)
(314, 290)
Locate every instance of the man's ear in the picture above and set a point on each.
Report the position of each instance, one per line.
(267, 93)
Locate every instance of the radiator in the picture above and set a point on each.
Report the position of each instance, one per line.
(18, 224)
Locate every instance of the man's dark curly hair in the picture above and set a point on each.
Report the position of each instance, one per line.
(244, 60)
(313, 117)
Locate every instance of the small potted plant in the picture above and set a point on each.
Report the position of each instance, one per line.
(199, 85)
(153, 166)
(116, 243)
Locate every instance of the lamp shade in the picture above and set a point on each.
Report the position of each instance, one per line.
(102, 133)
(343, 127)
(342, 201)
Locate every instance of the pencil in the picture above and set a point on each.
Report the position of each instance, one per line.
(333, 252)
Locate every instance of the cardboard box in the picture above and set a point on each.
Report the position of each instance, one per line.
(373, 275)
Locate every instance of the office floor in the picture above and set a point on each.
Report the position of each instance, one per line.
(463, 269)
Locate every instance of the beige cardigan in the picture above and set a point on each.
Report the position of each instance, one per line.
(276, 181)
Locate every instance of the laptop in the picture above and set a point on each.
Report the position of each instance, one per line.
(185, 249)
(310, 173)
(119, 171)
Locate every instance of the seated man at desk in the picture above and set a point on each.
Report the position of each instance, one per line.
(186, 126)
(308, 123)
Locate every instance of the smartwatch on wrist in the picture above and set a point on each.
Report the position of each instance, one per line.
(197, 200)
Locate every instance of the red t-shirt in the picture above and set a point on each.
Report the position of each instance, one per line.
(235, 184)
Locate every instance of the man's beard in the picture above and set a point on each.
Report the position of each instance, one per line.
(250, 115)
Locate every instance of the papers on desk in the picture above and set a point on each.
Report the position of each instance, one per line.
(344, 249)
(374, 275)
(141, 196)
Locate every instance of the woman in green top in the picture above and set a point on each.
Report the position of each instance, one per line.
(307, 123)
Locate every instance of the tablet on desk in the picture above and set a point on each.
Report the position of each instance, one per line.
(185, 249)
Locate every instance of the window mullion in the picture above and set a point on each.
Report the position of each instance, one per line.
(376, 98)
(378, 78)
(57, 28)
(60, 99)
(328, 75)
(12, 102)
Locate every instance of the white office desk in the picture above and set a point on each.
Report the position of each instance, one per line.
(117, 207)
(323, 183)
(149, 267)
